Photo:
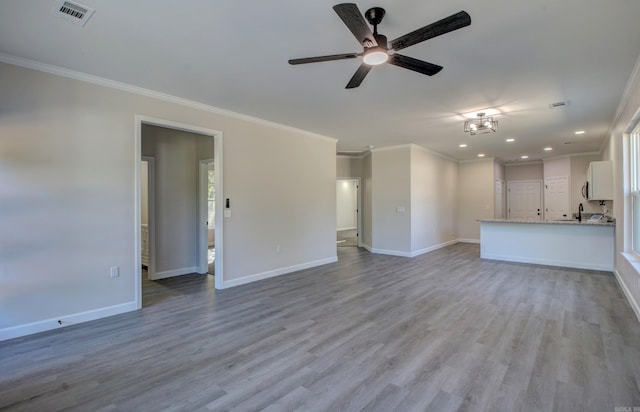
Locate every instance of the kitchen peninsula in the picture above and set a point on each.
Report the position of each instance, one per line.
(581, 245)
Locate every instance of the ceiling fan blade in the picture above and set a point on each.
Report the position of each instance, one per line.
(359, 76)
(414, 64)
(446, 25)
(352, 17)
(324, 58)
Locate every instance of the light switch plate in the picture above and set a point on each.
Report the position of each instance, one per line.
(227, 213)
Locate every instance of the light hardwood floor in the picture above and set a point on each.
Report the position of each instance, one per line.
(444, 331)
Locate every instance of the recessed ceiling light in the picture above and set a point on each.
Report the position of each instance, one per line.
(480, 154)
(548, 149)
(580, 132)
(510, 140)
(463, 145)
(524, 157)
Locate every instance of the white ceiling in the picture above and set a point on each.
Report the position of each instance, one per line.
(516, 57)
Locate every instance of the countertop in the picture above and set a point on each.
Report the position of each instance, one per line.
(551, 222)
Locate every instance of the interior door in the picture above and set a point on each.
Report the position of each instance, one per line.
(556, 198)
(525, 199)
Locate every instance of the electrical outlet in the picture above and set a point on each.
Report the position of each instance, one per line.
(277, 248)
(115, 271)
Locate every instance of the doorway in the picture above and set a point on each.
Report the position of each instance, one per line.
(201, 253)
(348, 212)
(524, 199)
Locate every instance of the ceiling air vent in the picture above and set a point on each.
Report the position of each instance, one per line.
(72, 12)
(557, 104)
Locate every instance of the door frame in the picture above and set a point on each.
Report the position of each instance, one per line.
(151, 213)
(358, 207)
(203, 211)
(502, 200)
(217, 136)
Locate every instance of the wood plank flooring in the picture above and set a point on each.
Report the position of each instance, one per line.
(445, 331)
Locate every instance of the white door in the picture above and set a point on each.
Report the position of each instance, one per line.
(500, 200)
(525, 200)
(556, 198)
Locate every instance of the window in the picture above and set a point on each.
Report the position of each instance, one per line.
(634, 179)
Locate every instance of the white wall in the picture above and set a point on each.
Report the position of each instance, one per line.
(475, 197)
(68, 162)
(628, 116)
(346, 204)
(433, 200)
(343, 166)
(498, 171)
(558, 167)
(367, 201)
(527, 171)
(414, 200)
(391, 200)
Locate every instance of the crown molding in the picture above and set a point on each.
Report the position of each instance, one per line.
(482, 159)
(100, 81)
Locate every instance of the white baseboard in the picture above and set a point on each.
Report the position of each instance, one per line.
(67, 320)
(432, 248)
(412, 253)
(469, 240)
(345, 228)
(400, 253)
(627, 294)
(176, 272)
(547, 262)
(277, 272)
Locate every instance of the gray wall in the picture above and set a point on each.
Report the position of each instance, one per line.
(528, 171)
(475, 197)
(391, 178)
(433, 200)
(629, 113)
(68, 189)
(367, 200)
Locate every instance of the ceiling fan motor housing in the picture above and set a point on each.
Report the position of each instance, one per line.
(374, 15)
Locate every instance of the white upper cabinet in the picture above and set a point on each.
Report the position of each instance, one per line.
(600, 180)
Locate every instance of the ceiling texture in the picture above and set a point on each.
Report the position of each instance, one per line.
(516, 58)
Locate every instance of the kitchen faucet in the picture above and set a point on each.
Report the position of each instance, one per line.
(580, 210)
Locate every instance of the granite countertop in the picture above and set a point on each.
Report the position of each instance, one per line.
(552, 222)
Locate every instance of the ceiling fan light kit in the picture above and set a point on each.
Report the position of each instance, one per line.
(483, 124)
(375, 56)
(375, 47)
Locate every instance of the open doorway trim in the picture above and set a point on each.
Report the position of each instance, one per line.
(218, 150)
(203, 218)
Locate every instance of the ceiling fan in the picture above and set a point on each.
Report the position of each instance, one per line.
(376, 49)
